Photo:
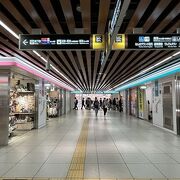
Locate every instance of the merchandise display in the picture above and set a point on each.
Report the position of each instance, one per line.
(22, 105)
(52, 103)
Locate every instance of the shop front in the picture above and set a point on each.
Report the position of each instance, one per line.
(133, 102)
(23, 99)
(22, 104)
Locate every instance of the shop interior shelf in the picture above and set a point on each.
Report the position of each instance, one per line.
(19, 113)
(22, 91)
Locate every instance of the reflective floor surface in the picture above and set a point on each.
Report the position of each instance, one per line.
(83, 146)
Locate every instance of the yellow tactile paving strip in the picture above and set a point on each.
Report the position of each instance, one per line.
(76, 169)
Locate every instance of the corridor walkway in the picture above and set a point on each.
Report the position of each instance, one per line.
(80, 145)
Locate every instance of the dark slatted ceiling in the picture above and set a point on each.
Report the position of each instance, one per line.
(88, 16)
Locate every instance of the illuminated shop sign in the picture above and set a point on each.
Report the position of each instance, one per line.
(58, 42)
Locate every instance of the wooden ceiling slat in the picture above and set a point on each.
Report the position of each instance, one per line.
(68, 75)
(122, 61)
(79, 55)
(133, 66)
(15, 49)
(68, 13)
(34, 15)
(136, 70)
(88, 56)
(86, 21)
(21, 52)
(18, 16)
(9, 24)
(14, 40)
(102, 19)
(162, 5)
(113, 59)
(155, 12)
(96, 62)
(129, 64)
(140, 10)
(5, 53)
(47, 6)
(52, 17)
(103, 15)
(77, 73)
(168, 19)
(114, 68)
(68, 65)
(174, 27)
(85, 6)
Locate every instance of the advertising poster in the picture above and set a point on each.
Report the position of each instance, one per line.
(141, 103)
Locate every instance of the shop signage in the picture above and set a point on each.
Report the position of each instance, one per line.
(59, 42)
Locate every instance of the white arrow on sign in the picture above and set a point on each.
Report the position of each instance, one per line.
(25, 42)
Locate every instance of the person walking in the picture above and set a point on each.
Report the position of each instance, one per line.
(110, 103)
(83, 104)
(75, 104)
(105, 104)
(120, 104)
(96, 105)
(100, 102)
(114, 104)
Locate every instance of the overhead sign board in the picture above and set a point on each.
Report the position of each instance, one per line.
(61, 42)
(147, 41)
(153, 41)
(120, 42)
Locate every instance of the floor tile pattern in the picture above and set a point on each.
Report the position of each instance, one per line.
(114, 147)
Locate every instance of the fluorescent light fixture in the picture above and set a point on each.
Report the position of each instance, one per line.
(115, 16)
(63, 76)
(143, 87)
(35, 52)
(175, 54)
(9, 30)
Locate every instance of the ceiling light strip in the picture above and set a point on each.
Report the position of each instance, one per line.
(9, 29)
(160, 74)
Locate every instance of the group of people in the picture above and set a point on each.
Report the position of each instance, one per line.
(105, 104)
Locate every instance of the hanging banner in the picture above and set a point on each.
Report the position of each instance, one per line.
(61, 42)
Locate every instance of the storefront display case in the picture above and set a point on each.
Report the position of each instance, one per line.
(22, 104)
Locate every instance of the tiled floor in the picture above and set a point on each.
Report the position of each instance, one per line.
(118, 146)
